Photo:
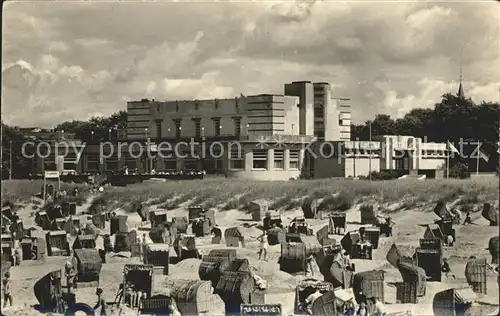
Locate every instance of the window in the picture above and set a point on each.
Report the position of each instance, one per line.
(93, 161)
(69, 166)
(71, 156)
(236, 103)
(294, 159)
(217, 126)
(158, 108)
(158, 129)
(176, 106)
(237, 158)
(237, 126)
(49, 165)
(318, 112)
(279, 162)
(213, 159)
(93, 157)
(153, 163)
(197, 127)
(398, 164)
(216, 103)
(177, 128)
(260, 158)
(111, 164)
(92, 166)
(212, 166)
(170, 164)
(191, 164)
(196, 105)
(213, 152)
(131, 163)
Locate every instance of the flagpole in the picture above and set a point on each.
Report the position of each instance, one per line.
(448, 159)
(477, 159)
(370, 150)
(447, 166)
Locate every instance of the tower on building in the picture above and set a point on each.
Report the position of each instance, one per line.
(460, 93)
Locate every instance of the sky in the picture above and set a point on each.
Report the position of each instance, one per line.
(74, 60)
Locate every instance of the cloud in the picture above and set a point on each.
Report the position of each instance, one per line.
(388, 57)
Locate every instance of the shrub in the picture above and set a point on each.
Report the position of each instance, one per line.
(459, 170)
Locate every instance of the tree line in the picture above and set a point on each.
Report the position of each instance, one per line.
(95, 129)
(452, 119)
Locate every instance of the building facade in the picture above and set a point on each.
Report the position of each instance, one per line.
(408, 154)
(53, 150)
(306, 131)
(253, 137)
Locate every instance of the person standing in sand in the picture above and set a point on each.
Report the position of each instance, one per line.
(449, 241)
(363, 309)
(468, 219)
(144, 246)
(70, 275)
(7, 291)
(309, 268)
(141, 250)
(445, 267)
(263, 246)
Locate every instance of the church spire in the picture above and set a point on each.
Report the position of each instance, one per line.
(460, 93)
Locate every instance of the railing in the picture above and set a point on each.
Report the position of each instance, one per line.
(251, 137)
(362, 145)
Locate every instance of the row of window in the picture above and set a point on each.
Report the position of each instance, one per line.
(169, 165)
(93, 158)
(260, 160)
(236, 162)
(378, 152)
(197, 105)
(433, 152)
(198, 128)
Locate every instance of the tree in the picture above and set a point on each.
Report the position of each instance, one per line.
(23, 166)
(452, 119)
(12, 143)
(96, 128)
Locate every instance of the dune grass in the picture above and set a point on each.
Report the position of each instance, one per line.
(16, 192)
(335, 194)
(237, 194)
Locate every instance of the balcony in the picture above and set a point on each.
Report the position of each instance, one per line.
(250, 137)
(253, 138)
(345, 116)
(362, 145)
